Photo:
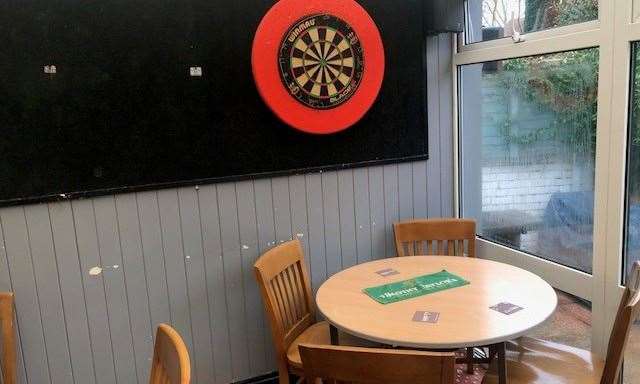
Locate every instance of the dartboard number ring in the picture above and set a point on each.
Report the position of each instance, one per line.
(321, 61)
(318, 64)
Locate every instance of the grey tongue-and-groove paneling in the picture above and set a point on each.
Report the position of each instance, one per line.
(184, 256)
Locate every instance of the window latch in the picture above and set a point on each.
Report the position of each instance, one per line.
(517, 37)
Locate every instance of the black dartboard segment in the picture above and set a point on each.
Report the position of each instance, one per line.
(321, 61)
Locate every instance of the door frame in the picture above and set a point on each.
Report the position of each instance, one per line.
(612, 33)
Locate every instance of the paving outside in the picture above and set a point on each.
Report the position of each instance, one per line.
(571, 325)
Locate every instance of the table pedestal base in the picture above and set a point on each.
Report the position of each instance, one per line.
(497, 351)
(502, 363)
(333, 332)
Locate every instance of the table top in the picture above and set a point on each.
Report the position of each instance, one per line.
(465, 317)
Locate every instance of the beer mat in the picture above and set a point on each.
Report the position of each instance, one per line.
(418, 286)
(426, 317)
(387, 272)
(506, 308)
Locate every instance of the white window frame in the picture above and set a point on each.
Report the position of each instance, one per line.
(612, 33)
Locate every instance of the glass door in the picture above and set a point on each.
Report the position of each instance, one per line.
(548, 139)
(623, 218)
(528, 113)
(631, 209)
(527, 144)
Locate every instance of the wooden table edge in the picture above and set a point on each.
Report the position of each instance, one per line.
(439, 346)
(443, 346)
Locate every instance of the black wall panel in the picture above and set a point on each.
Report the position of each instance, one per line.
(122, 111)
(444, 15)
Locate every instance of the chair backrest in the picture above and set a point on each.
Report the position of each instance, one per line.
(373, 365)
(8, 361)
(435, 237)
(627, 314)
(171, 364)
(286, 292)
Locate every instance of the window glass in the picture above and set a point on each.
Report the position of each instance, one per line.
(632, 214)
(527, 153)
(493, 19)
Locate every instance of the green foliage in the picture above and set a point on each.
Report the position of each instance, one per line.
(635, 105)
(564, 84)
(576, 11)
(544, 14)
(506, 130)
(634, 129)
(533, 13)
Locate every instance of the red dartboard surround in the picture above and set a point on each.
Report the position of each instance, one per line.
(309, 113)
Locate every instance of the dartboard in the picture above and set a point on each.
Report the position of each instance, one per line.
(321, 61)
(318, 64)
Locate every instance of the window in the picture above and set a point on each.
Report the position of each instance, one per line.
(632, 214)
(632, 205)
(528, 149)
(493, 19)
(548, 139)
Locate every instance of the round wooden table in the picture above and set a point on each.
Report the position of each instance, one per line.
(464, 316)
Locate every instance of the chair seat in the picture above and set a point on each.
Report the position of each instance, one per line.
(318, 333)
(537, 361)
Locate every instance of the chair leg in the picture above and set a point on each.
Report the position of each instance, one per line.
(492, 351)
(502, 363)
(470, 360)
(283, 374)
(333, 333)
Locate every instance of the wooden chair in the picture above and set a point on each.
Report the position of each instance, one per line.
(171, 364)
(374, 365)
(8, 363)
(282, 276)
(435, 237)
(536, 361)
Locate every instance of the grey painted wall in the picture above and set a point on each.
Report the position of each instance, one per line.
(184, 256)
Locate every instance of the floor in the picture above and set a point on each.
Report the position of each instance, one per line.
(632, 357)
(571, 325)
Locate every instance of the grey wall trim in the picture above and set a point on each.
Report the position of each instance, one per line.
(184, 256)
